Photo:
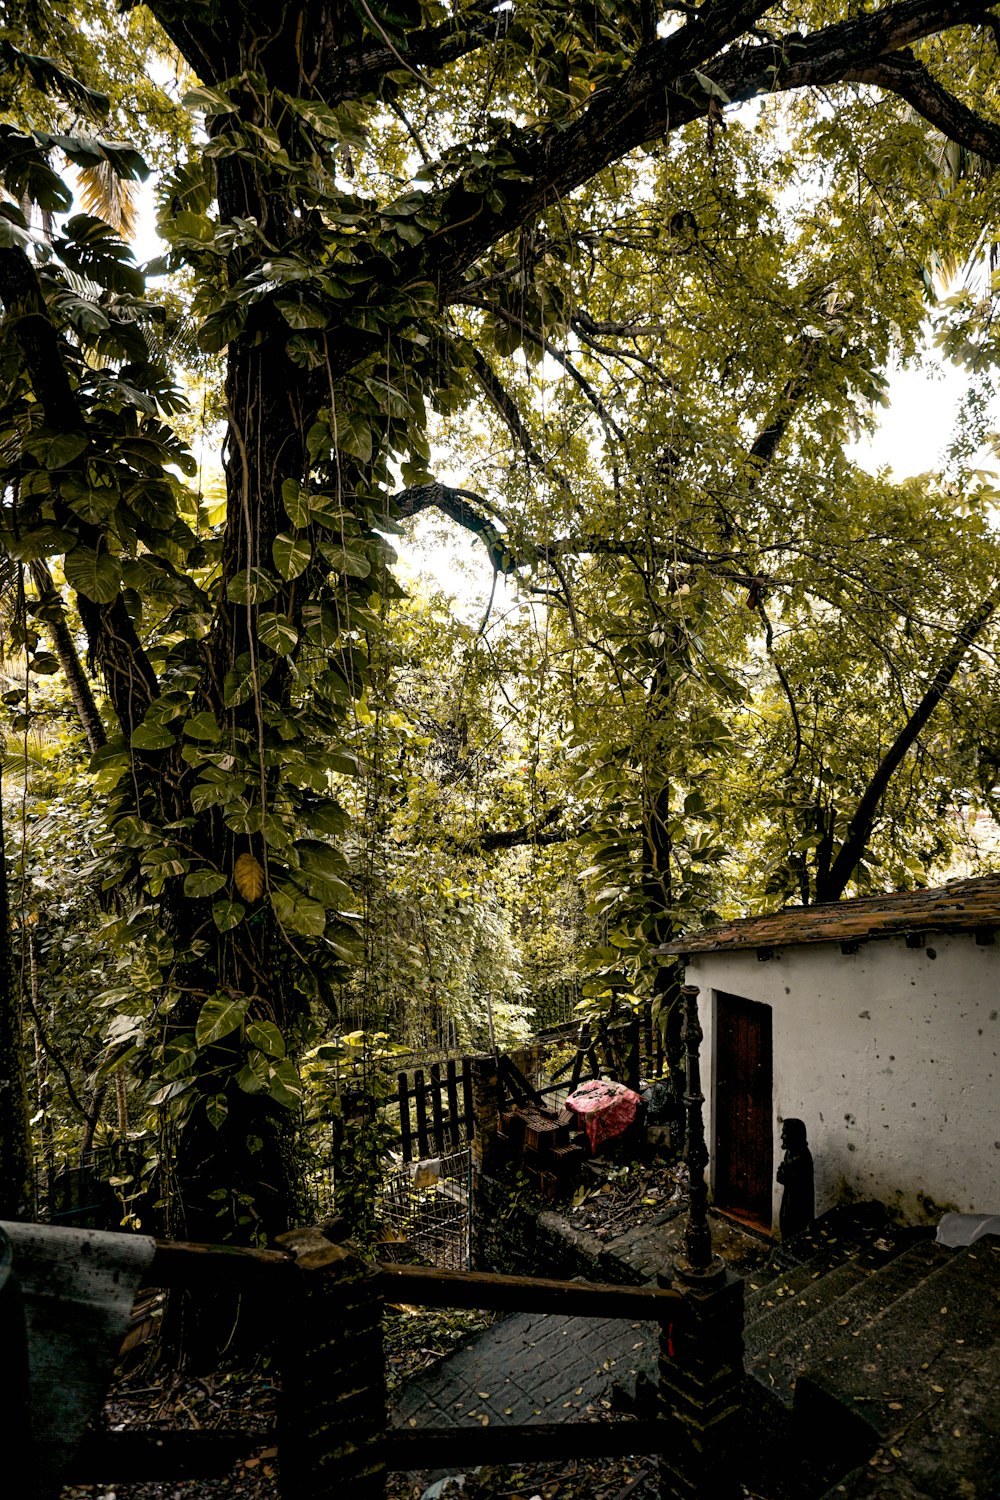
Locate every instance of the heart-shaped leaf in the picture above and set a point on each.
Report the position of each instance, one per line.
(275, 631)
(283, 1084)
(249, 876)
(203, 883)
(203, 727)
(217, 1108)
(298, 913)
(96, 575)
(151, 737)
(250, 586)
(296, 502)
(220, 1015)
(238, 685)
(266, 1037)
(227, 914)
(291, 554)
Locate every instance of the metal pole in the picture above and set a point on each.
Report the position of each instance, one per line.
(698, 1262)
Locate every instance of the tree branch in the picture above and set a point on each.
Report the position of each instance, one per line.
(607, 421)
(769, 438)
(354, 71)
(902, 74)
(659, 94)
(464, 508)
(505, 407)
(860, 827)
(539, 832)
(508, 411)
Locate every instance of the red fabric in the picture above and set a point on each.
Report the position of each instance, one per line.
(603, 1109)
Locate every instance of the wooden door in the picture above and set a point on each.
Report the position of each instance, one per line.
(744, 1146)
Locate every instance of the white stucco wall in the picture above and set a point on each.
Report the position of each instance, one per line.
(891, 1056)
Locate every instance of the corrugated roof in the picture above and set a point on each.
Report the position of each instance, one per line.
(959, 906)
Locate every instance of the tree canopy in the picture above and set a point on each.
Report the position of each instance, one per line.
(607, 286)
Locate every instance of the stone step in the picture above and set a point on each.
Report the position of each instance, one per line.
(766, 1291)
(641, 1252)
(839, 1231)
(952, 1450)
(638, 1255)
(830, 1320)
(781, 1304)
(828, 1242)
(764, 1300)
(791, 1314)
(879, 1481)
(865, 1251)
(834, 1238)
(867, 1389)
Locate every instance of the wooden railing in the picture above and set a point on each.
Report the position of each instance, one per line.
(451, 1447)
(325, 1308)
(266, 1278)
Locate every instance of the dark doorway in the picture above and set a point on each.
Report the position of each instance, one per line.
(744, 1147)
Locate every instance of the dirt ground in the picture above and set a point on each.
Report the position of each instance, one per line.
(246, 1400)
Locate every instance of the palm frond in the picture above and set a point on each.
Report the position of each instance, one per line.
(109, 197)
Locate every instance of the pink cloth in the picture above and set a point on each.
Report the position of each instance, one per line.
(603, 1109)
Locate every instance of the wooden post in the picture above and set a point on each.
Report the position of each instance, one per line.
(14, 1414)
(454, 1119)
(420, 1100)
(701, 1390)
(484, 1149)
(698, 1258)
(649, 1060)
(485, 1111)
(468, 1113)
(633, 1062)
(404, 1118)
(332, 1416)
(436, 1112)
(701, 1357)
(582, 1050)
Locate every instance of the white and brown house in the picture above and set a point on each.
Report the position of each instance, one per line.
(876, 1022)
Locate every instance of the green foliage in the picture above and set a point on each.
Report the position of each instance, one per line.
(647, 361)
(347, 1088)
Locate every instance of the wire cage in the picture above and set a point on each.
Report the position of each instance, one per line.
(426, 1204)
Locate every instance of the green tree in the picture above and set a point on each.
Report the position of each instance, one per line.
(326, 272)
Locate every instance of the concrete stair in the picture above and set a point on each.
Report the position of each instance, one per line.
(919, 1381)
(789, 1340)
(875, 1355)
(861, 1387)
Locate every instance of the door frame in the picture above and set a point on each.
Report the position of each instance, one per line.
(759, 1213)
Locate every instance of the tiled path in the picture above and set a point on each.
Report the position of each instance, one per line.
(553, 1368)
(529, 1367)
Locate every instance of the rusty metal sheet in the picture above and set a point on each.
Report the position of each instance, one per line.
(75, 1288)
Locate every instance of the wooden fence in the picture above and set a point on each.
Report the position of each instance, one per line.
(435, 1109)
(333, 1435)
(435, 1101)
